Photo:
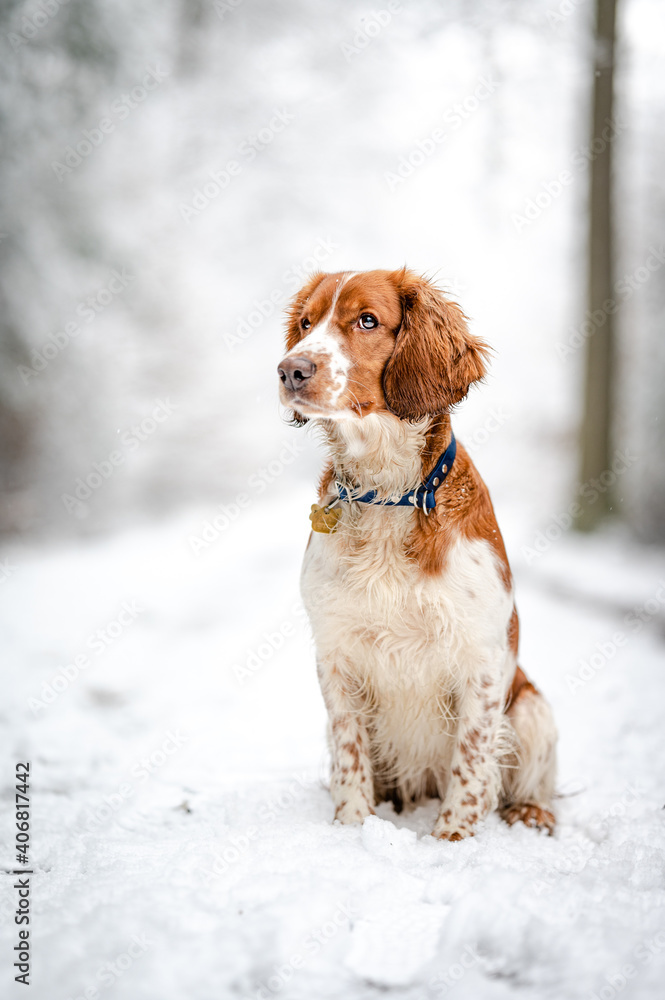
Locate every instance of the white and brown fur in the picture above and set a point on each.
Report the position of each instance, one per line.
(413, 614)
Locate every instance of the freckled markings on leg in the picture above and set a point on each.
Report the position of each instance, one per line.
(469, 744)
(350, 776)
(465, 820)
(353, 751)
(475, 749)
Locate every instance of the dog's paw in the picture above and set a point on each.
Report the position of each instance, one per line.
(353, 811)
(455, 823)
(530, 814)
(443, 832)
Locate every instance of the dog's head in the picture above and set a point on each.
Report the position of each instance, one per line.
(358, 343)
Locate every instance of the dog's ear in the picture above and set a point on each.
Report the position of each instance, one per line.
(436, 359)
(295, 307)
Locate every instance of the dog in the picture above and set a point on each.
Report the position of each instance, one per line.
(405, 577)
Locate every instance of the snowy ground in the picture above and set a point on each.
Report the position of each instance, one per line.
(182, 835)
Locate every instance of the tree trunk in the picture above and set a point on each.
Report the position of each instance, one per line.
(596, 428)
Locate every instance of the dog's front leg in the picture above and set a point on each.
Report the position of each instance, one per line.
(475, 777)
(351, 783)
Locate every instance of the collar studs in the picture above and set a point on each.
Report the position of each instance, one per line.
(421, 494)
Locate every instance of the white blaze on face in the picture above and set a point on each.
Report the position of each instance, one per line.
(325, 350)
(324, 343)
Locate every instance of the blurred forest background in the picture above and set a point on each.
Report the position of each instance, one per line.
(171, 170)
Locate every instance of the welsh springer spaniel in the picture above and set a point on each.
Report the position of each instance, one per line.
(405, 578)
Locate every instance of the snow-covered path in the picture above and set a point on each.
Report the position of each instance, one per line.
(182, 834)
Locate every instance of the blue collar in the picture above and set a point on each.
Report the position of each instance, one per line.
(423, 496)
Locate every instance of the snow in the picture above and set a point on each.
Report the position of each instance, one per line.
(160, 677)
(182, 830)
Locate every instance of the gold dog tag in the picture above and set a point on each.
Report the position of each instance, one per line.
(324, 520)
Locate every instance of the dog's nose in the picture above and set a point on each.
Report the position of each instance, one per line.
(294, 371)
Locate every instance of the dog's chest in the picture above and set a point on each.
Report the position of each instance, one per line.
(390, 626)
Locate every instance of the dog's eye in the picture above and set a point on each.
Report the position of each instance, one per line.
(305, 324)
(368, 322)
